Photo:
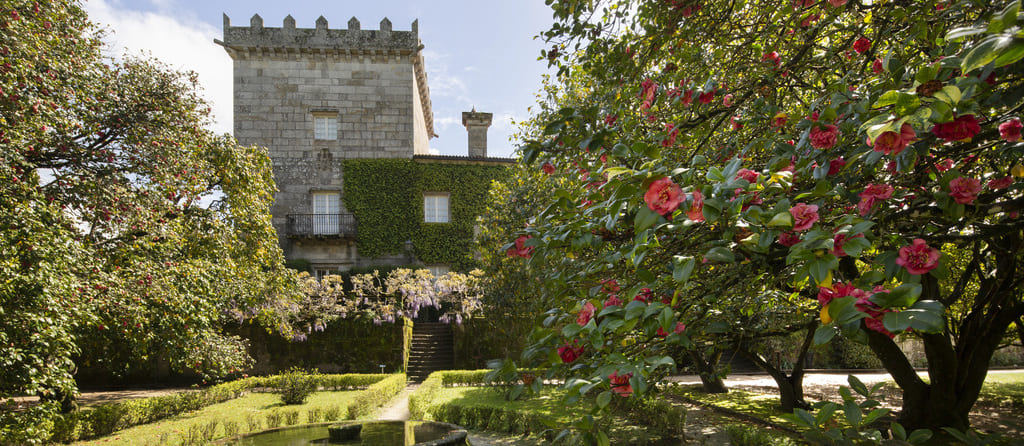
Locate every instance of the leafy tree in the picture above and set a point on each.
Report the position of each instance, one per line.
(128, 230)
(830, 156)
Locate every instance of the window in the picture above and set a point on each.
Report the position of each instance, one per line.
(435, 207)
(438, 270)
(326, 210)
(326, 127)
(324, 272)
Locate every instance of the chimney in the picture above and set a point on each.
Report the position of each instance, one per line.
(477, 124)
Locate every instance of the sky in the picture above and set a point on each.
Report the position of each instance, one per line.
(478, 53)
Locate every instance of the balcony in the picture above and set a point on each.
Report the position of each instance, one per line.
(321, 225)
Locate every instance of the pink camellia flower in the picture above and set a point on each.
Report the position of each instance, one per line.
(1010, 130)
(944, 165)
(610, 286)
(548, 168)
(620, 384)
(779, 120)
(1000, 183)
(838, 290)
(663, 196)
(961, 128)
(736, 123)
(610, 119)
(696, 211)
(612, 301)
(788, 239)
(838, 241)
(520, 249)
(862, 45)
(727, 100)
(810, 20)
(823, 136)
(687, 98)
(706, 98)
(748, 175)
(649, 90)
(773, 58)
(964, 190)
(570, 353)
(680, 327)
(918, 258)
(877, 67)
(875, 324)
(797, 4)
(804, 216)
(670, 137)
(836, 165)
(586, 313)
(892, 143)
(871, 194)
(837, 3)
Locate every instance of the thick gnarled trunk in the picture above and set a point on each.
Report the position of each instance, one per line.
(791, 388)
(707, 366)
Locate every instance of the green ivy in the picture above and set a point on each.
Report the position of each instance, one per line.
(385, 195)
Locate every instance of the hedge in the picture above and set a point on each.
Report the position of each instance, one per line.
(105, 419)
(376, 395)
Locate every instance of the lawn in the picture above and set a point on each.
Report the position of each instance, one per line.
(252, 412)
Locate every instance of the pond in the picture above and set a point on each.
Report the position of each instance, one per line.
(378, 433)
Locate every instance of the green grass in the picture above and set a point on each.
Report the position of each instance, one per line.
(759, 405)
(243, 411)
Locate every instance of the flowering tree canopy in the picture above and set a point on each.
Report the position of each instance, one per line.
(852, 162)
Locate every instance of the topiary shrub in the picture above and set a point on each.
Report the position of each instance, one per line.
(296, 384)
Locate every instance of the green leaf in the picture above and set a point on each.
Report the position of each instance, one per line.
(907, 104)
(898, 431)
(926, 73)
(781, 220)
(888, 98)
(854, 246)
(919, 436)
(645, 217)
(926, 315)
(682, 268)
(714, 174)
(949, 94)
(720, 255)
(613, 172)
(604, 398)
(959, 33)
(984, 52)
(852, 412)
(858, 386)
(824, 333)
(1011, 54)
(634, 309)
(903, 296)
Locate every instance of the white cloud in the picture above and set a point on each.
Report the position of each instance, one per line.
(181, 45)
(444, 84)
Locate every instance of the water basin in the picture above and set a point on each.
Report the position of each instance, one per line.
(377, 433)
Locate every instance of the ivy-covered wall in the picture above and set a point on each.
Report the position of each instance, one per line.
(386, 197)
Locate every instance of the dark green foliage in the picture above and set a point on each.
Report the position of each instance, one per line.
(296, 384)
(741, 435)
(386, 195)
(330, 350)
(658, 414)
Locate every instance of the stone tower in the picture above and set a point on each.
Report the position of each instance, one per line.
(315, 97)
(476, 124)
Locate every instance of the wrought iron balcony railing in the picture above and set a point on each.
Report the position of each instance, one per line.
(321, 225)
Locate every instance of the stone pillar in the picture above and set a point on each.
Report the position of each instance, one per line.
(476, 124)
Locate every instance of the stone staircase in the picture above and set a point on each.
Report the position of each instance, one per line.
(432, 350)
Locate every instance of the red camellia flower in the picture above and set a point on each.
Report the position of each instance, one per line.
(918, 258)
(892, 143)
(548, 168)
(964, 190)
(706, 98)
(613, 300)
(944, 165)
(1010, 130)
(862, 45)
(610, 119)
(736, 124)
(727, 100)
(838, 290)
(663, 196)
(823, 136)
(696, 211)
(804, 216)
(645, 296)
(680, 327)
(687, 98)
(650, 88)
(837, 3)
(586, 313)
(671, 133)
(772, 57)
(877, 67)
(961, 128)
(836, 165)
(779, 120)
(570, 353)
(520, 249)
(1000, 183)
(620, 384)
(748, 175)
(788, 239)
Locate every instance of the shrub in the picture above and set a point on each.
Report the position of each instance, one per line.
(296, 384)
(274, 419)
(253, 422)
(314, 415)
(376, 395)
(230, 428)
(740, 435)
(291, 417)
(659, 414)
(332, 413)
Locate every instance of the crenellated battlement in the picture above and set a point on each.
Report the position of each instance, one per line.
(258, 37)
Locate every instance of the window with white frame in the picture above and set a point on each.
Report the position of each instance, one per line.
(325, 126)
(326, 210)
(435, 207)
(438, 270)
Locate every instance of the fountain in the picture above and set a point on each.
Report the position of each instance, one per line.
(377, 433)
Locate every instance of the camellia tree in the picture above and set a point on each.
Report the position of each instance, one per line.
(815, 159)
(129, 232)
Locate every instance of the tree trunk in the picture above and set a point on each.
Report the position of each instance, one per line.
(791, 388)
(706, 369)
